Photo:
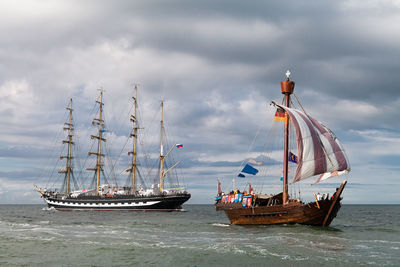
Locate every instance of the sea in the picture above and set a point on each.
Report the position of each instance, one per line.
(33, 235)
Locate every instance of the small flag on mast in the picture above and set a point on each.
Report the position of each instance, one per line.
(292, 157)
(251, 189)
(219, 188)
(250, 169)
(279, 115)
(179, 145)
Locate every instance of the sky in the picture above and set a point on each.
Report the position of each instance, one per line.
(217, 65)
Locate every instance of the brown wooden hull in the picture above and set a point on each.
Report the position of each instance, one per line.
(320, 214)
(292, 213)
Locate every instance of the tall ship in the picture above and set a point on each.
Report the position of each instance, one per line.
(100, 194)
(320, 155)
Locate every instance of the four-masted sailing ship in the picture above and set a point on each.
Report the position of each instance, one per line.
(319, 153)
(103, 196)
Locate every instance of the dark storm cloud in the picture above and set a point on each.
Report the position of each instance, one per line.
(329, 46)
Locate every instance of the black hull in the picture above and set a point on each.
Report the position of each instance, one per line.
(132, 203)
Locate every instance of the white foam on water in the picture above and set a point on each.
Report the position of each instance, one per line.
(265, 252)
(380, 241)
(237, 250)
(34, 238)
(49, 209)
(20, 226)
(217, 247)
(362, 246)
(87, 242)
(221, 224)
(51, 231)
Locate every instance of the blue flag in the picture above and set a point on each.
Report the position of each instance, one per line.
(241, 175)
(292, 157)
(249, 169)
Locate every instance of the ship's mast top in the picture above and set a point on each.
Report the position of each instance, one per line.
(134, 135)
(287, 88)
(162, 157)
(68, 126)
(100, 123)
(288, 74)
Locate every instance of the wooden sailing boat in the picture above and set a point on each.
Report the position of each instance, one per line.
(319, 153)
(103, 196)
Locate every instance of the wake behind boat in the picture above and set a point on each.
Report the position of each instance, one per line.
(319, 153)
(101, 195)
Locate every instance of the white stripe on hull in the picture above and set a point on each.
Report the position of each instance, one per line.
(106, 205)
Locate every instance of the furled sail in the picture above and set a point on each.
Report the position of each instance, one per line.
(319, 151)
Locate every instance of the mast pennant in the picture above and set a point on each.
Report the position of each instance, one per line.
(319, 151)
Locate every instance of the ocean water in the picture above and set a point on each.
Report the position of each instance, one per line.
(32, 235)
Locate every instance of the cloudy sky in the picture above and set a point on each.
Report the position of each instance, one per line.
(218, 65)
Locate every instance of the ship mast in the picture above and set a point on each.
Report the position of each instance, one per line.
(134, 135)
(69, 128)
(162, 157)
(287, 88)
(100, 123)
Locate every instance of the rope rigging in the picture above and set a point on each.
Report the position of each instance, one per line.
(108, 167)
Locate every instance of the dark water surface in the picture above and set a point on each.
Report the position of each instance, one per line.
(31, 235)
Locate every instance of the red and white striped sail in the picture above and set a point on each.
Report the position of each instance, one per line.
(319, 151)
